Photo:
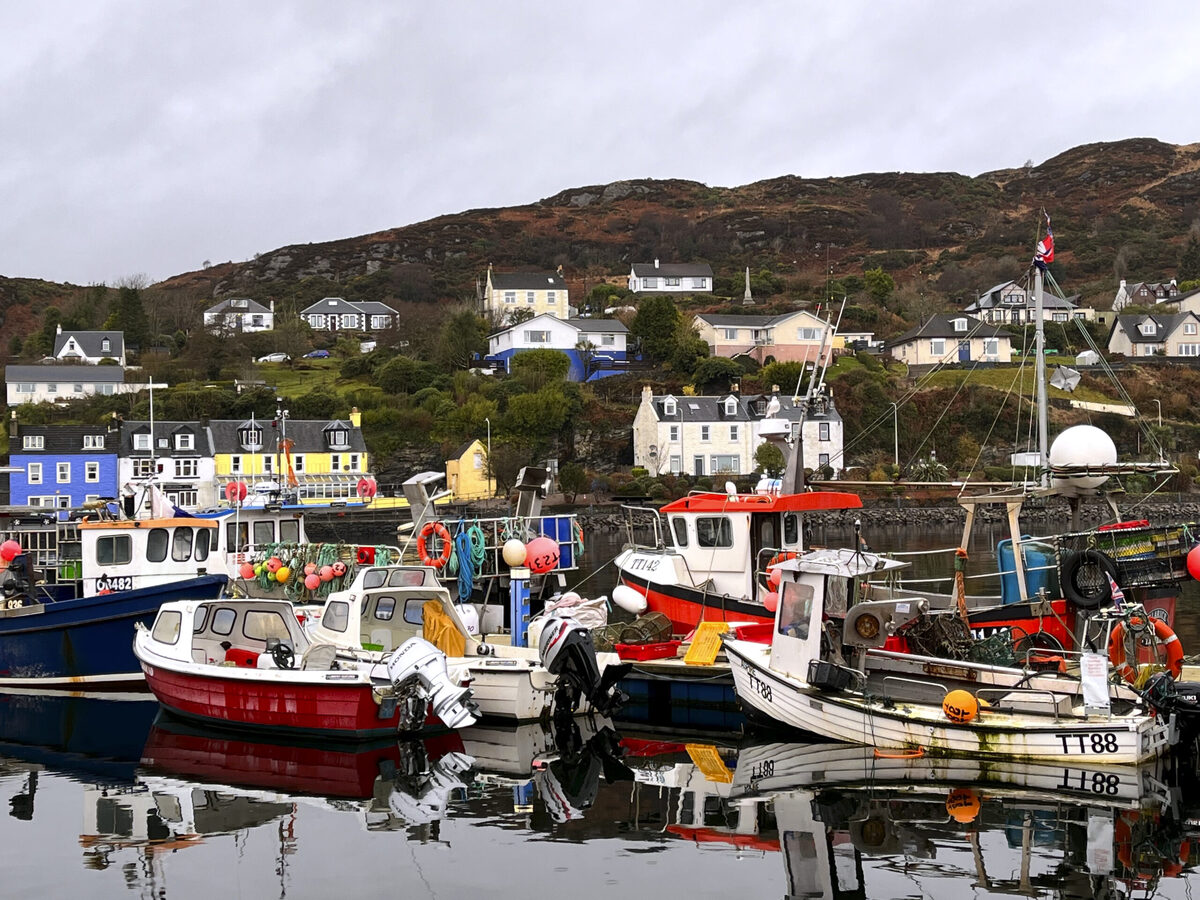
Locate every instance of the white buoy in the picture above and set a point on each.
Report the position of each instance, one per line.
(1083, 446)
(630, 600)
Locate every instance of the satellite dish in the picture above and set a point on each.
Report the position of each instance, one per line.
(1065, 379)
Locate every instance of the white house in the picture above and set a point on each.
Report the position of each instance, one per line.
(952, 338)
(53, 384)
(181, 456)
(672, 278)
(720, 435)
(541, 293)
(89, 346)
(1173, 335)
(239, 314)
(1010, 303)
(596, 347)
(339, 314)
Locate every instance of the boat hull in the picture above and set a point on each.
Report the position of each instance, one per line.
(86, 640)
(687, 607)
(851, 717)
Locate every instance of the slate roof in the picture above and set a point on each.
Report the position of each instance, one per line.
(89, 342)
(528, 281)
(60, 439)
(202, 438)
(990, 299)
(61, 374)
(942, 326)
(672, 270)
(593, 326)
(308, 435)
(1166, 326)
(712, 409)
(718, 320)
(239, 304)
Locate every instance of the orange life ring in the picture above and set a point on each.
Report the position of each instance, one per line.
(782, 556)
(447, 545)
(1116, 649)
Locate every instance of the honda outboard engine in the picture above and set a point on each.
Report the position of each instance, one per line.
(422, 797)
(566, 650)
(417, 670)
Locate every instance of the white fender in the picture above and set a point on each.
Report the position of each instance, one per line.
(630, 600)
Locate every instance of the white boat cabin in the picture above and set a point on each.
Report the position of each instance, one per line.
(242, 633)
(130, 554)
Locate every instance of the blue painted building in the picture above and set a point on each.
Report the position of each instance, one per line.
(62, 465)
(596, 347)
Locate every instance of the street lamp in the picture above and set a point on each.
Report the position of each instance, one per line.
(491, 483)
(896, 434)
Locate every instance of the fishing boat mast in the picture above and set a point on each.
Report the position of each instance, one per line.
(1040, 378)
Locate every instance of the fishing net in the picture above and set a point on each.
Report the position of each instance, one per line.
(946, 637)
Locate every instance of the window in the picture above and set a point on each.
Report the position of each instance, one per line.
(791, 528)
(1058, 317)
(537, 337)
(1148, 327)
(704, 432)
(336, 616)
(93, 442)
(385, 608)
(676, 465)
(51, 387)
(222, 620)
(167, 625)
(530, 296)
(187, 468)
(237, 536)
(268, 464)
(822, 460)
(156, 545)
(649, 282)
(317, 321)
(1189, 327)
(795, 603)
(116, 550)
(24, 387)
(700, 283)
(108, 389)
(105, 345)
(731, 334)
(33, 473)
(235, 464)
(185, 441)
(714, 531)
(335, 462)
(550, 298)
(937, 347)
(339, 438)
(510, 296)
(34, 442)
(187, 499)
(143, 468)
(91, 472)
(730, 407)
(181, 547)
(960, 324)
(807, 334)
(141, 442)
(1189, 349)
(264, 533)
(673, 433)
(733, 432)
(350, 320)
(726, 464)
(256, 321)
(608, 340)
(823, 431)
(991, 346)
(354, 462)
(669, 407)
(262, 626)
(679, 529)
(251, 438)
(477, 461)
(671, 282)
(298, 463)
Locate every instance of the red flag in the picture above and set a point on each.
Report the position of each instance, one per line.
(1045, 248)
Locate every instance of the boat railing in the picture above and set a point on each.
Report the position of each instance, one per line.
(562, 528)
(1017, 694)
(641, 518)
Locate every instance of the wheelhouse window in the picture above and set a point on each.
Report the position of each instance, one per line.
(261, 625)
(156, 545)
(289, 531)
(336, 616)
(222, 620)
(795, 606)
(167, 626)
(679, 529)
(791, 529)
(385, 608)
(264, 533)
(714, 531)
(116, 550)
(181, 546)
(202, 544)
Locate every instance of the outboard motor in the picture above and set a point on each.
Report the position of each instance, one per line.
(422, 797)
(15, 582)
(1178, 698)
(566, 650)
(568, 784)
(417, 670)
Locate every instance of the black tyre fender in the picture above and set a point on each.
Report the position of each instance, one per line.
(1079, 582)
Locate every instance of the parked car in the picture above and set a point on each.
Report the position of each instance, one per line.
(274, 357)
(317, 354)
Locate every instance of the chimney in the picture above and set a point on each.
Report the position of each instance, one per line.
(559, 271)
(1122, 282)
(272, 302)
(656, 262)
(734, 388)
(355, 417)
(774, 389)
(647, 394)
(13, 427)
(59, 331)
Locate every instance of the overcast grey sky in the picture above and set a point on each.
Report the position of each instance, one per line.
(147, 137)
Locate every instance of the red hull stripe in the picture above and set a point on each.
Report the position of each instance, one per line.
(687, 607)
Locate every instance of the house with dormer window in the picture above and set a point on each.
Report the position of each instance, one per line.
(595, 347)
(950, 338)
(178, 456)
(719, 435)
(339, 314)
(322, 459)
(239, 314)
(1144, 293)
(1175, 335)
(792, 337)
(61, 466)
(89, 347)
(1010, 303)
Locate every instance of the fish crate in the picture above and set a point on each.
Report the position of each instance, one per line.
(1145, 556)
(827, 676)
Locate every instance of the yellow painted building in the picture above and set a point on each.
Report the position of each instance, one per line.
(466, 472)
(506, 293)
(325, 460)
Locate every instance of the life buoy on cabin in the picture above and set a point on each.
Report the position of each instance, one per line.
(443, 534)
(1080, 583)
(1166, 637)
(782, 556)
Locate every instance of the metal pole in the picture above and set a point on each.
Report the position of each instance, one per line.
(1040, 379)
(1159, 405)
(491, 484)
(896, 434)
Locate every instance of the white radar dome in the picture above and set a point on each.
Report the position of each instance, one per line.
(1085, 446)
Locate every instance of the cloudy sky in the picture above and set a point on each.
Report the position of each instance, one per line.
(148, 137)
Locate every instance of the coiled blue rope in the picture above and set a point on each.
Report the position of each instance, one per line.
(466, 569)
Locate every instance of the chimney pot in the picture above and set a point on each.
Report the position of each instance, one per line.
(656, 262)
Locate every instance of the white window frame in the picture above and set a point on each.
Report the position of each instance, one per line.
(91, 472)
(960, 325)
(33, 442)
(731, 334)
(937, 347)
(142, 467)
(551, 298)
(1189, 327)
(704, 432)
(673, 433)
(235, 463)
(141, 441)
(822, 431)
(33, 473)
(335, 462)
(730, 406)
(62, 472)
(187, 468)
(669, 407)
(733, 432)
(510, 296)
(530, 298)
(298, 463)
(185, 442)
(701, 283)
(354, 461)
(93, 442)
(651, 282)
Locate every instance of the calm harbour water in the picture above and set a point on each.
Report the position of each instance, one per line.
(104, 798)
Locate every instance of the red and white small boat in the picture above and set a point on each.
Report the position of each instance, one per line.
(249, 663)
